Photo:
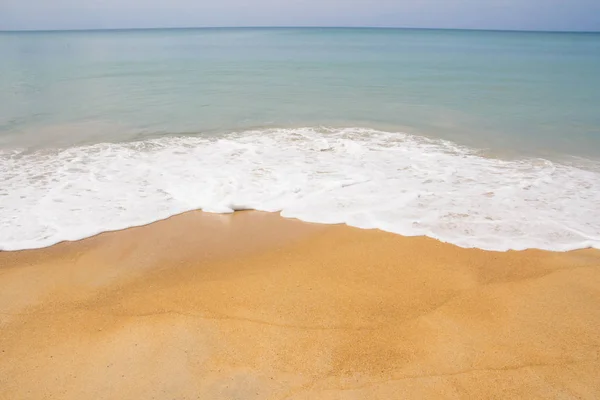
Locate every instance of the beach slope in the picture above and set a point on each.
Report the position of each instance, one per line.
(255, 306)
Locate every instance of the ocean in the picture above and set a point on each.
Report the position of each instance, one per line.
(477, 138)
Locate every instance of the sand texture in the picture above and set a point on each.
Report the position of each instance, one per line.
(254, 306)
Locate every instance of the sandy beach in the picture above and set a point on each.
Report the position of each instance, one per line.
(255, 306)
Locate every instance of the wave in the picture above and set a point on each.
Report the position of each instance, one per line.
(365, 178)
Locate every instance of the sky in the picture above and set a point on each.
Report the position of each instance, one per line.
(569, 15)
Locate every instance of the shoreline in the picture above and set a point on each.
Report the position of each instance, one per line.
(92, 237)
(401, 183)
(253, 305)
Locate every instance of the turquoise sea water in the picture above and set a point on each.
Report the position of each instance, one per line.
(539, 91)
(87, 116)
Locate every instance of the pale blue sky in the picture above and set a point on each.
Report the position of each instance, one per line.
(472, 14)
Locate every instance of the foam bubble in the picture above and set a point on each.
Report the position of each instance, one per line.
(369, 179)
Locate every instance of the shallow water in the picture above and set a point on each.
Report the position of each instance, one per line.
(482, 139)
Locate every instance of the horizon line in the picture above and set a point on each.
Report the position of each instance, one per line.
(292, 27)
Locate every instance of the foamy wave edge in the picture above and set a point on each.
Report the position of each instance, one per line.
(369, 179)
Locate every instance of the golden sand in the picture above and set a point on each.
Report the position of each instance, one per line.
(254, 306)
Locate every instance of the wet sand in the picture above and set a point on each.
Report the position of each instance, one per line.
(254, 306)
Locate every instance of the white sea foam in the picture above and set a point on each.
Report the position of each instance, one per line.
(369, 179)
